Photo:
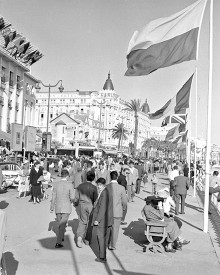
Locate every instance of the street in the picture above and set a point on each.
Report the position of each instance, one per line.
(31, 238)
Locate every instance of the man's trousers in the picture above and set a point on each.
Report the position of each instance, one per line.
(114, 232)
(84, 211)
(62, 219)
(177, 201)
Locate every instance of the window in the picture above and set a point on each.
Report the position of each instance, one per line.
(42, 115)
(51, 115)
(63, 130)
(36, 101)
(18, 82)
(11, 78)
(3, 79)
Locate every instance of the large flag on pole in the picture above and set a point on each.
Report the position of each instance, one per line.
(177, 104)
(165, 41)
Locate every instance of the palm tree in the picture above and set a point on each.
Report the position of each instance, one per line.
(136, 107)
(119, 132)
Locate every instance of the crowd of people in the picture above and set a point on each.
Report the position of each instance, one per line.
(100, 190)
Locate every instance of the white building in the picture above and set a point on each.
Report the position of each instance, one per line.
(17, 90)
(104, 108)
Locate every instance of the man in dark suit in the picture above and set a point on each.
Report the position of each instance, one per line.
(181, 185)
(141, 173)
(103, 218)
(85, 197)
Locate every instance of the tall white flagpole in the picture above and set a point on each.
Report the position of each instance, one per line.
(189, 135)
(196, 103)
(209, 116)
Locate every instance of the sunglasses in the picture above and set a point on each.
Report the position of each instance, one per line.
(127, 173)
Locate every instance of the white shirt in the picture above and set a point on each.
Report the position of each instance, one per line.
(167, 205)
(173, 174)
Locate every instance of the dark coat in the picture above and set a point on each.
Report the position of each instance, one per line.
(34, 175)
(181, 185)
(122, 181)
(103, 210)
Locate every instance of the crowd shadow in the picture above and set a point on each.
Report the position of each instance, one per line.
(123, 271)
(49, 243)
(3, 204)
(2, 191)
(135, 231)
(11, 263)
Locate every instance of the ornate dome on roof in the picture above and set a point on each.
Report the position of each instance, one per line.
(145, 107)
(108, 84)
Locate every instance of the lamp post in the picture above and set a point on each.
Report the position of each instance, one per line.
(61, 89)
(100, 120)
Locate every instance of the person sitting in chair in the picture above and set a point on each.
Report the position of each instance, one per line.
(153, 212)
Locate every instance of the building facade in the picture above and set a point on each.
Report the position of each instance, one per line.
(103, 110)
(17, 85)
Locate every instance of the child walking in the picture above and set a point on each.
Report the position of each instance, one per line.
(154, 182)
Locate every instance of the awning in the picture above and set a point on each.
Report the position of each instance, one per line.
(6, 136)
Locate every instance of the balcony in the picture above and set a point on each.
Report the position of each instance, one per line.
(1, 101)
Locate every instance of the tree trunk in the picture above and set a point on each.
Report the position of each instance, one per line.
(119, 142)
(135, 133)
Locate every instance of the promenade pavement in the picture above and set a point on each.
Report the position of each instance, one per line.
(31, 238)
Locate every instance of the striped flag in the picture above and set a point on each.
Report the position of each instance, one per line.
(177, 104)
(165, 41)
(175, 132)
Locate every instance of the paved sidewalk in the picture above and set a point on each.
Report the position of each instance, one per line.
(31, 239)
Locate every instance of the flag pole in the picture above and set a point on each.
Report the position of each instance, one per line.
(196, 104)
(189, 134)
(209, 116)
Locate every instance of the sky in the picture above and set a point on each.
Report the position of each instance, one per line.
(82, 40)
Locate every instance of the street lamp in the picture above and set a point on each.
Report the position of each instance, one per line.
(100, 120)
(61, 89)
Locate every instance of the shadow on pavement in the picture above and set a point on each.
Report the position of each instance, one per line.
(196, 227)
(3, 204)
(135, 231)
(53, 227)
(11, 263)
(199, 209)
(49, 243)
(2, 191)
(214, 218)
(124, 271)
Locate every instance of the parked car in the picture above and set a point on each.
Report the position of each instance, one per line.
(11, 172)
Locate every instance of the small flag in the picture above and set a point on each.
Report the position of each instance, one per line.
(175, 132)
(165, 41)
(177, 104)
(180, 118)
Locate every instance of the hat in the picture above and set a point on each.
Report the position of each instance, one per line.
(149, 199)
